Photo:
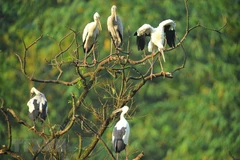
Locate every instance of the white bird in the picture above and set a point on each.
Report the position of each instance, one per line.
(165, 29)
(37, 106)
(121, 132)
(115, 28)
(90, 35)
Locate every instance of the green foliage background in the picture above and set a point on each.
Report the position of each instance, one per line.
(195, 115)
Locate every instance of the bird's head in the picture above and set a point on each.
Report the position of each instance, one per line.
(32, 92)
(124, 110)
(114, 12)
(96, 17)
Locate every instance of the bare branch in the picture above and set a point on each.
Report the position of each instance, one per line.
(98, 136)
(72, 120)
(139, 156)
(184, 61)
(9, 129)
(2, 102)
(11, 153)
(79, 144)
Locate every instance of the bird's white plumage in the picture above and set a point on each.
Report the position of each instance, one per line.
(39, 103)
(91, 32)
(168, 22)
(145, 29)
(115, 27)
(40, 100)
(122, 124)
(156, 42)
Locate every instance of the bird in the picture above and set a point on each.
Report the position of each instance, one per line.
(90, 35)
(115, 28)
(157, 36)
(121, 131)
(37, 106)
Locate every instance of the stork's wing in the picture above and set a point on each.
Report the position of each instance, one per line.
(43, 112)
(120, 28)
(169, 29)
(140, 41)
(33, 108)
(145, 29)
(85, 50)
(118, 140)
(170, 36)
(141, 33)
(85, 32)
(84, 38)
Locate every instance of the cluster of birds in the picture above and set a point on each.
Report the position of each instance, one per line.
(38, 107)
(166, 29)
(38, 103)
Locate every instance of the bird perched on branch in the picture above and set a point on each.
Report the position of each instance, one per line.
(90, 35)
(37, 106)
(115, 28)
(121, 132)
(166, 29)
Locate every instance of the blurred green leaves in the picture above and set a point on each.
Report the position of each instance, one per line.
(195, 115)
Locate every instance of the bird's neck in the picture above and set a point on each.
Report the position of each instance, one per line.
(122, 116)
(36, 91)
(160, 27)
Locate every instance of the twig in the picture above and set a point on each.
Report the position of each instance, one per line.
(72, 120)
(184, 61)
(79, 145)
(8, 129)
(98, 137)
(2, 100)
(23, 65)
(11, 153)
(25, 124)
(139, 156)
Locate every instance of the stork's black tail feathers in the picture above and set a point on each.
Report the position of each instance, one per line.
(170, 36)
(118, 145)
(140, 41)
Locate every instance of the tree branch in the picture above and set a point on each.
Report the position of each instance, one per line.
(139, 156)
(9, 129)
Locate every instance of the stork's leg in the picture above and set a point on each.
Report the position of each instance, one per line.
(151, 74)
(84, 60)
(161, 65)
(110, 57)
(117, 156)
(33, 127)
(126, 153)
(161, 51)
(86, 51)
(94, 56)
(42, 132)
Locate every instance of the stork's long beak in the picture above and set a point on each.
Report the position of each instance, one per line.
(99, 25)
(31, 94)
(115, 15)
(117, 110)
(163, 55)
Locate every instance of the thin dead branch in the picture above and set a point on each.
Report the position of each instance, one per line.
(139, 156)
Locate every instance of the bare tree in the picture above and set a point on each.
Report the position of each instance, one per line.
(123, 78)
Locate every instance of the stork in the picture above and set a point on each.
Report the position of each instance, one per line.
(121, 132)
(37, 106)
(90, 35)
(165, 29)
(115, 28)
